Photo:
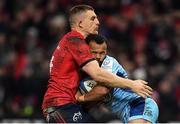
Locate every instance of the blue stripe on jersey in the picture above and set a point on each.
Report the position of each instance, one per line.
(137, 107)
(120, 74)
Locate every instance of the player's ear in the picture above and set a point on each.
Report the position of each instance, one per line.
(80, 24)
(105, 51)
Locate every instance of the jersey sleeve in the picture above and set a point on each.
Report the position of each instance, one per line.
(80, 51)
(119, 70)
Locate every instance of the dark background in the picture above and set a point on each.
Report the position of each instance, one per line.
(144, 36)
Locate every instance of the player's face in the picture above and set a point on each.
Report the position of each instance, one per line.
(89, 23)
(98, 50)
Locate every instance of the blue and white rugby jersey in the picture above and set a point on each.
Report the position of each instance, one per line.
(117, 101)
(124, 103)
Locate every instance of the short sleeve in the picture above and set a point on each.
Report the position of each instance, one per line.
(80, 51)
(119, 70)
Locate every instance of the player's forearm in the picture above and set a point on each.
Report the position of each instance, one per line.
(138, 86)
(109, 79)
(89, 97)
(96, 94)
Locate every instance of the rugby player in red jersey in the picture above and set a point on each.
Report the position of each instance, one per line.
(70, 56)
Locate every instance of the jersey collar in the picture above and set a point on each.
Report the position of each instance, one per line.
(77, 33)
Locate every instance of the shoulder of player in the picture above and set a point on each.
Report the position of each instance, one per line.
(108, 61)
(75, 39)
(113, 60)
(110, 58)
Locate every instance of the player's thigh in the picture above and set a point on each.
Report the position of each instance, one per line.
(69, 113)
(141, 121)
(145, 109)
(151, 111)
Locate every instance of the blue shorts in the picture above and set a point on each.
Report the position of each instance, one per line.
(68, 113)
(144, 109)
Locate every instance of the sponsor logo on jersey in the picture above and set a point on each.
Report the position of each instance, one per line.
(77, 116)
(148, 112)
(106, 62)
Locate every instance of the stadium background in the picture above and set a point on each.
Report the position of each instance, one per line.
(144, 35)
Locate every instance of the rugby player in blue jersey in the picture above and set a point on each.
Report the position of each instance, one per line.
(128, 106)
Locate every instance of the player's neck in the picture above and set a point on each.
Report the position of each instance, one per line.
(80, 31)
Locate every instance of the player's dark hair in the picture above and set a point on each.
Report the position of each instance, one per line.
(76, 10)
(96, 38)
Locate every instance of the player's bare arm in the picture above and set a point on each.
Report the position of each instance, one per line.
(106, 78)
(96, 94)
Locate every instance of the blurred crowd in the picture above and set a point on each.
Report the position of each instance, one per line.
(144, 35)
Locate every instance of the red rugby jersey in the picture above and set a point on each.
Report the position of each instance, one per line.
(71, 54)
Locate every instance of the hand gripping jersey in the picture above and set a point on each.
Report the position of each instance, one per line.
(126, 104)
